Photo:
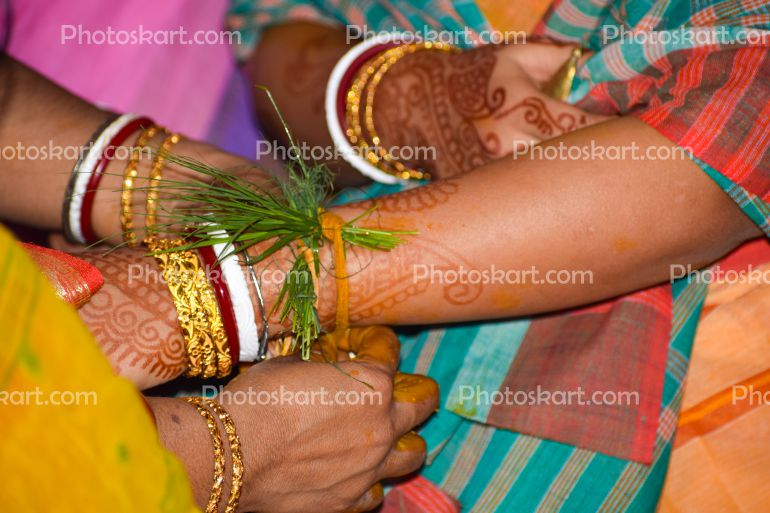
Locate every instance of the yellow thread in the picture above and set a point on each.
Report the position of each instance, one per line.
(331, 226)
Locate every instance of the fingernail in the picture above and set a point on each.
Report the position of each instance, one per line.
(411, 442)
(413, 388)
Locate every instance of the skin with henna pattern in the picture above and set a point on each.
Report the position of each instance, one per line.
(472, 107)
(383, 280)
(134, 320)
(415, 200)
(387, 285)
(430, 100)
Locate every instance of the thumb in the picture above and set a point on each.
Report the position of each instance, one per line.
(540, 61)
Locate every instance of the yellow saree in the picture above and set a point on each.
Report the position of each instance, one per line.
(73, 435)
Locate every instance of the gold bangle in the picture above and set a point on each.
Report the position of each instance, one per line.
(354, 101)
(205, 338)
(219, 454)
(224, 362)
(155, 176)
(367, 80)
(391, 57)
(130, 175)
(401, 170)
(354, 130)
(235, 454)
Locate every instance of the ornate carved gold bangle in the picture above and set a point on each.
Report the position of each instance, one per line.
(235, 454)
(155, 176)
(129, 178)
(205, 339)
(224, 363)
(219, 454)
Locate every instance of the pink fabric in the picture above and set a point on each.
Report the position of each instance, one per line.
(418, 495)
(178, 85)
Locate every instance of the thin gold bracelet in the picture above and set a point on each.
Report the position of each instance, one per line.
(197, 310)
(235, 454)
(155, 176)
(219, 454)
(375, 80)
(370, 77)
(354, 102)
(129, 178)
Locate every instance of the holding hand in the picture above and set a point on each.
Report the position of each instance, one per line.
(327, 434)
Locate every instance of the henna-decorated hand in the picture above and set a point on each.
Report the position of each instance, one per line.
(475, 106)
(133, 318)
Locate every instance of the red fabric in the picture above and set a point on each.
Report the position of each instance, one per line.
(614, 348)
(754, 253)
(750, 255)
(75, 280)
(715, 102)
(222, 293)
(418, 495)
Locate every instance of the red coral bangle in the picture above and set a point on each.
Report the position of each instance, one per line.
(222, 293)
(86, 224)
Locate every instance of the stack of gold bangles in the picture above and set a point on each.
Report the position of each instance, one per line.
(351, 93)
(362, 93)
(211, 411)
(129, 181)
(200, 308)
(350, 106)
(208, 353)
(211, 317)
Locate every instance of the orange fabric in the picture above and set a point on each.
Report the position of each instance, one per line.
(721, 457)
(722, 408)
(513, 16)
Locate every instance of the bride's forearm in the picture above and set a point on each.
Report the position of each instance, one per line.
(43, 124)
(43, 130)
(562, 233)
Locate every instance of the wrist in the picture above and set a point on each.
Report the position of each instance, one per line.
(272, 274)
(182, 432)
(106, 213)
(253, 429)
